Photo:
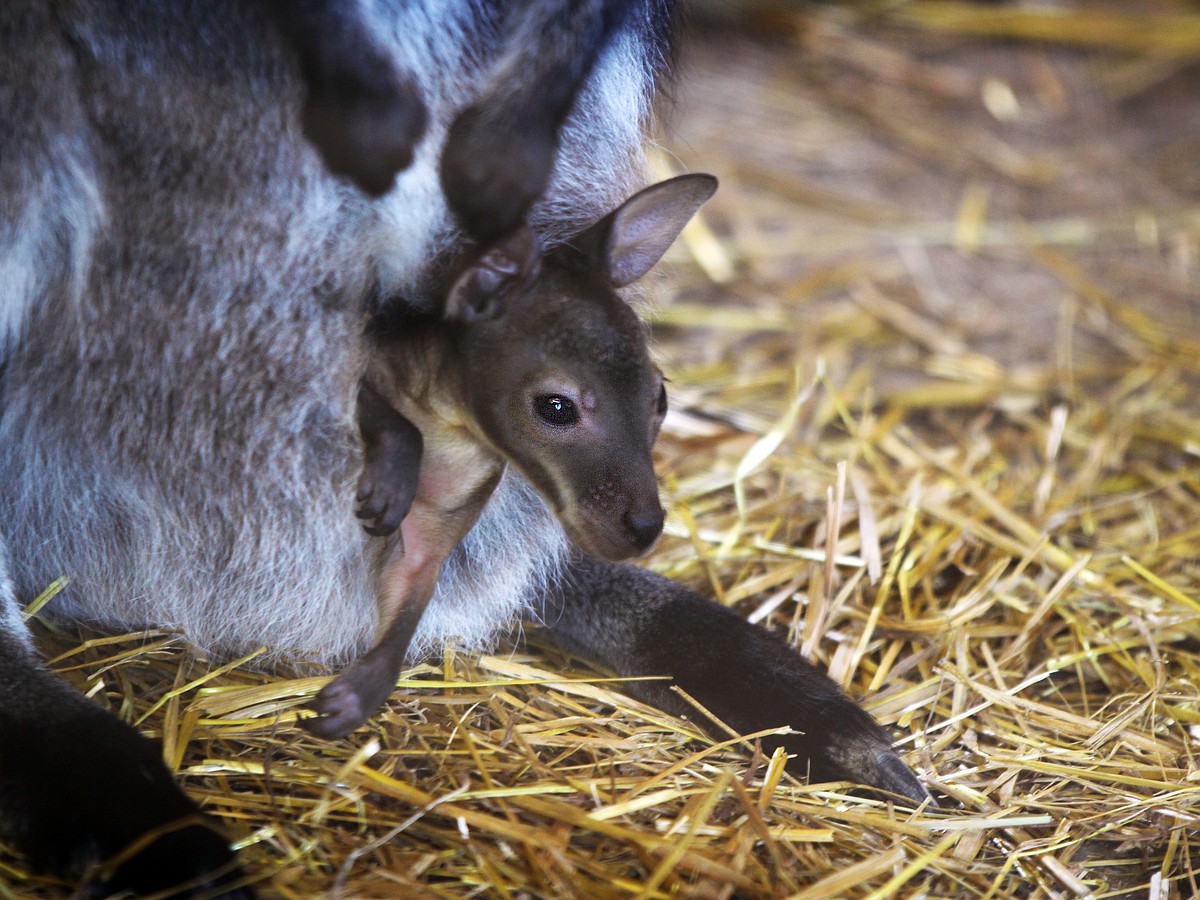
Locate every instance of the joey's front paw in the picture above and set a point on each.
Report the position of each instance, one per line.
(382, 501)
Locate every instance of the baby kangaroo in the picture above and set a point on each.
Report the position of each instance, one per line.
(537, 362)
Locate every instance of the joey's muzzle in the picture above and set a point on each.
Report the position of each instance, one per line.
(615, 527)
(643, 527)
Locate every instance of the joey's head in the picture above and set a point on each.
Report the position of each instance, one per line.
(557, 372)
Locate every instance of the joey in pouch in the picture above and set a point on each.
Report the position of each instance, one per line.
(538, 363)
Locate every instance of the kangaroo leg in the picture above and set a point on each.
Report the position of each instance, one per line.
(404, 587)
(501, 149)
(639, 623)
(78, 786)
(350, 699)
(362, 113)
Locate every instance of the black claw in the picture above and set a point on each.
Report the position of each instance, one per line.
(325, 724)
(891, 774)
(380, 517)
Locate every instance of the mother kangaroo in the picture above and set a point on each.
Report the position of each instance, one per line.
(199, 204)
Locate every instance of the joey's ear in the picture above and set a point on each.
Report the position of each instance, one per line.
(634, 236)
(485, 288)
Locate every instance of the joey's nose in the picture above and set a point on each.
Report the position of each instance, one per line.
(644, 527)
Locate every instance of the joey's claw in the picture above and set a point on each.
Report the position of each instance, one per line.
(389, 520)
(380, 520)
(379, 530)
(370, 508)
(386, 491)
(380, 513)
(338, 710)
(354, 696)
(368, 497)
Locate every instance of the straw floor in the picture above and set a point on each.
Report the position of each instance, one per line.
(939, 322)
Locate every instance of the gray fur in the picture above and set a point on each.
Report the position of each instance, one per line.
(600, 159)
(11, 622)
(176, 423)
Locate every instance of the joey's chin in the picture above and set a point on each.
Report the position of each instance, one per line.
(611, 544)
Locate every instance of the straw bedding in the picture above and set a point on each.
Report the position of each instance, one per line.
(934, 358)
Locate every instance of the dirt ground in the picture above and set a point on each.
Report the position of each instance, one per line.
(940, 165)
(972, 237)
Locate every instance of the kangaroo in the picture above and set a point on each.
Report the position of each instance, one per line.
(549, 372)
(183, 282)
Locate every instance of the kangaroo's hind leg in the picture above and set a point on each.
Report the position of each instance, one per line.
(79, 787)
(353, 696)
(639, 623)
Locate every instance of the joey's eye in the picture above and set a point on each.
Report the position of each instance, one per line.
(661, 403)
(554, 409)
